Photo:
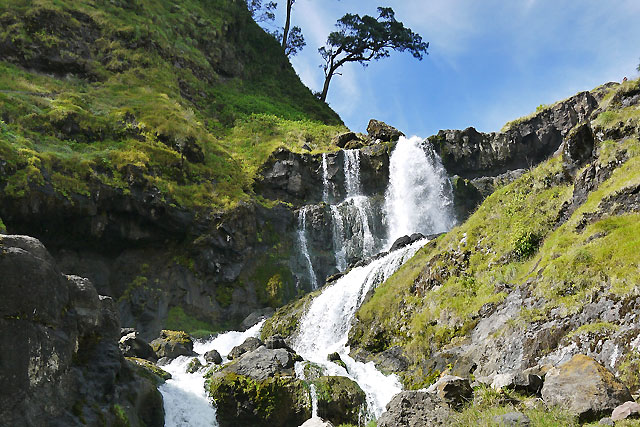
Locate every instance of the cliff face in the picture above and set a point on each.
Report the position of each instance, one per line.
(544, 269)
(59, 361)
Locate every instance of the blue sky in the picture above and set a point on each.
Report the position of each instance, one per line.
(489, 61)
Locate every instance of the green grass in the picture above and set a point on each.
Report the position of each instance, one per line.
(432, 302)
(155, 77)
(178, 320)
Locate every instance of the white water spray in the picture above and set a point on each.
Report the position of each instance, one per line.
(325, 327)
(185, 401)
(302, 237)
(325, 179)
(419, 196)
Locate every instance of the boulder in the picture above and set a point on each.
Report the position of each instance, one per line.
(512, 419)
(213, 356)
(455, 391)
(255, 317)
(242, 401)
(59, 360)
(263, 363)
(275, 342)
(132, 345)
(626, 410)
(415, 409)
(172, 344)
(194, 365)
(382, 131)
(585, 388)
(340, 399)
(342, 139)
(400, 242)
(249, 344)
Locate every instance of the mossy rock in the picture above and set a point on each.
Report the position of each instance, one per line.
(150, 370)
(286, 319)
(243, 401)
(340, 399)
(172, 344)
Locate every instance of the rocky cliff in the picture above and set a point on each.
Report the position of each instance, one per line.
(60, 364)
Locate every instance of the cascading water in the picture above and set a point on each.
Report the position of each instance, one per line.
(419, 197)
(185, 401)
(338, 238)
(302, 238)
(325, 327)
(325, 179)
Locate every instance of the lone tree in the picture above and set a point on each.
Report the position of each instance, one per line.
(363, 39)
(290, 38)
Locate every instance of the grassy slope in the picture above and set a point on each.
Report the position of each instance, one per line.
(90, 88)
(511, 239)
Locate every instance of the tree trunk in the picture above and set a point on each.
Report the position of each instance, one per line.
(287, 26)
(325, 88)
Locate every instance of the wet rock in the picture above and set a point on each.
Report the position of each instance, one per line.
(584, 387)
(150, 369)
(277, 341)
(263, 363)
(340, 399)
(213, 356)
(194, 365)
(415, 409)
(626, 410)
(512, 419)
(172, 344)
(131, 345)
(249, 344)
(454, 391)
(256, 316)
(335, 358)
(400, 242)
(382, 131)
(242, 401)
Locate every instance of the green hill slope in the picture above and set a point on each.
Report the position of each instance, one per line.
(184, 98)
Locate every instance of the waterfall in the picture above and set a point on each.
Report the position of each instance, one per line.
(186, 403)
(352, 172)
(419, 197)
(325, 179)
(325, 327)
(302, 238)
(338, 238)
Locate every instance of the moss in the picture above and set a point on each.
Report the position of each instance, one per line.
(178, 320)
(603, 329)
(3, 228)
(270, 400)
(121, 417)
(150, 370)
(286, 319)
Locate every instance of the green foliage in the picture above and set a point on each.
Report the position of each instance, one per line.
(178, 320)
(525, 243)
(124, 109)
(3, 228)
(121, 418)
(603, 329)
(364, 39)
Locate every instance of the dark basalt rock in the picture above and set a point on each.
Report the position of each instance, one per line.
(471, 154)
(342, 139)
(382, 131)
(249, 344)
(213, 356)
(131, 345)
(171, 344)
(60, 360)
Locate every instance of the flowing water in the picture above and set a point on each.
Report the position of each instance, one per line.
(185, 401)
(418, 199)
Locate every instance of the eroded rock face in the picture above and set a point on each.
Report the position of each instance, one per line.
(60, 348)
(471, 154)
(584, 387)
(415, 409)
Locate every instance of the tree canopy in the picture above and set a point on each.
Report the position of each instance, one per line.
(364, 38)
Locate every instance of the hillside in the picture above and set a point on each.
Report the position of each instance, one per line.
(131, 134)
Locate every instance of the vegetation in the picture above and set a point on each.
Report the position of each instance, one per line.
(172, 97)
(515, 239)
(364, 39)
(178, 320)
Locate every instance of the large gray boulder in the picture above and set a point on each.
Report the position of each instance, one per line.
(171, 344)
(415, 409)
(382, 131)
(585, 388)
(340, 399)
(263, 363)
(455, 391)
(59, 357)
(248, 345)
